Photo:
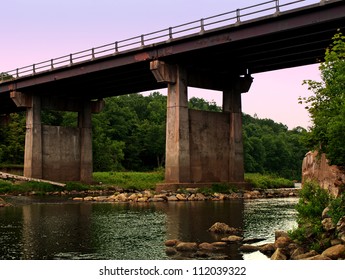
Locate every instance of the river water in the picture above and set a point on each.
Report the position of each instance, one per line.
(55, 228)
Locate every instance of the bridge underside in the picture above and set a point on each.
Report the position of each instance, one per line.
(202, 147)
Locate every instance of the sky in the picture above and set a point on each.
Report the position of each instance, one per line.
(38, 30)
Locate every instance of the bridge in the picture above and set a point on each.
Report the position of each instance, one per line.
(219, 53)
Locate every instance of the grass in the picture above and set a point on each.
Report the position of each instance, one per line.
(135, 181)
(130, 180)
(260, 181)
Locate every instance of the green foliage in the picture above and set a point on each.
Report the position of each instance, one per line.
(130, 180)
(337, 208)
(327, 104)
(260, 181)
(12, 138)
(269, 147)
(313, 200)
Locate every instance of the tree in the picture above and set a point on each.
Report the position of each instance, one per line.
(327, 104)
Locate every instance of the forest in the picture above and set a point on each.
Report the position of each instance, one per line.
(129, 134)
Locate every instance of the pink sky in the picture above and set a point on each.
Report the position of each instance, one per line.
(38, 30)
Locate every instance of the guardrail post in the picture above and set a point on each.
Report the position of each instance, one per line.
(17, 73)
(202, 27)
(33, 69)
(93, 53)
(71, 59)
(142, 40)
(116, 47)
(52, 64)
(238, 16)
(277, 8)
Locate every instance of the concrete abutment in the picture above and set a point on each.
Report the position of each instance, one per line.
(53, 152)
(202, 147)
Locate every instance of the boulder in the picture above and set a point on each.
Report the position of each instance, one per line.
(282, 242)
(317, 168)
(170, 251)
(318, 258)
(327, 224)
(172, 198)
(335, 252)
(187, 247)
(267, 249)
(278, 255)
(219, 244)
(171, 242)
(181, 197)
(205, 246)
(279, 233)
(306, 255)
(222, 228)
(232, 238)
(325, 213)
(340, 229)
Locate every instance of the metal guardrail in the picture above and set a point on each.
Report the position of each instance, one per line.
(201, 26)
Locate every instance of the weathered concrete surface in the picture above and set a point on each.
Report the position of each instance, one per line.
(209, 146)
(61, 153)
(316, 168)
(202, 147)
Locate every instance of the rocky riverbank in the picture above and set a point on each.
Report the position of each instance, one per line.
(284, 248)
(185, 195)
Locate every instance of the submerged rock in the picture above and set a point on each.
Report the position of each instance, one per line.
(222, 228)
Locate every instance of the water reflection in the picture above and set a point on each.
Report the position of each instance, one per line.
(67, 230)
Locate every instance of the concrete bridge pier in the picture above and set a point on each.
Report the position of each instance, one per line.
(202, 147)
(53, 152)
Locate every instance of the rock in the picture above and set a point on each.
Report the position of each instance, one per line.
(78, 199)
(328, 224)
(279, 233)
(219, 244)
(156, 199)
(336, 242)
(316, 168)
(171, 242)
(306, 255)
(335, 252)
(282, 242)
(88, 198)
(187, 246)
(222, 228)
(207, 247)
(200, 196)
(318, 258)
(133, 197)
(297, 252)
(143, 199)
(162, 196)
(122, 197)
(181, 197)
(100, 198)
(325, 213)
(172, 198)
(232, 238)
(340, 229)
(267, 249)
(147, 194)
(278, 255)
(170, 251)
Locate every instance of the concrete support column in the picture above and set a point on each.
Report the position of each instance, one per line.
(177, 168)
(232, 105)
(33, 140)
(85, 126)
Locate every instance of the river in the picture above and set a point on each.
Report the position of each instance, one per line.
(57, 228)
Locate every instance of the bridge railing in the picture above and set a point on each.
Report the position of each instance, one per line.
(235, 17)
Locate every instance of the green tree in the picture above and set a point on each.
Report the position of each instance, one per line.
(327, 104)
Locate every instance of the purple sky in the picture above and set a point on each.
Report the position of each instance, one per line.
(38, 30)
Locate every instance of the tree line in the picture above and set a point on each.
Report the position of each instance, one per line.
(129, 134)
